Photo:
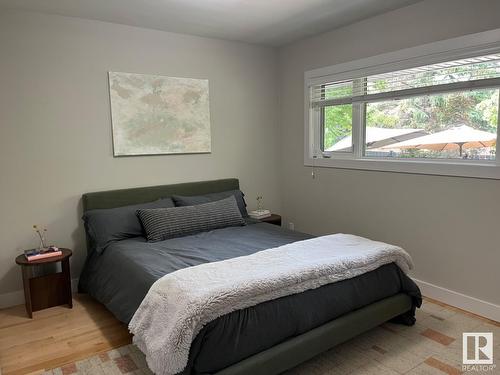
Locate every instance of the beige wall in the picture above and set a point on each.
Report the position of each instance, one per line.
(55, 134)
(449, 225)
(55, 137)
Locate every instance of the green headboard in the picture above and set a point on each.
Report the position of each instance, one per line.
(125, 197)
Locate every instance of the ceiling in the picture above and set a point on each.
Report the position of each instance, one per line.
(266, 22)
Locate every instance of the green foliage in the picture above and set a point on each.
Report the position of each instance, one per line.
(477, 108)
(338, 123)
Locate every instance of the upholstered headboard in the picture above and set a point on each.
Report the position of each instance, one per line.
(125, 197)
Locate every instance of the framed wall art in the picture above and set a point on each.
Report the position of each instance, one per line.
(154, 115)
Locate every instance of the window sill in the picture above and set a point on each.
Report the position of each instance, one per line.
(471, 169)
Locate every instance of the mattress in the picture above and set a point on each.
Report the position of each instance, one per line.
(121, 276)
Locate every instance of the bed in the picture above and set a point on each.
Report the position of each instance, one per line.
(268, 338)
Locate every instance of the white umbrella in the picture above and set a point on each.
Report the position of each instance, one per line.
(458, 137)
(378, 137)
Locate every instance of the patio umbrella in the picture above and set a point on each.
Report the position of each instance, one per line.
(458, 137)
(378, 137)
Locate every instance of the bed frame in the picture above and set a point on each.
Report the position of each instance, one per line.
(289, 353)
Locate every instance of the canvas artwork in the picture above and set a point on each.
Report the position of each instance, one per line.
(159, 115)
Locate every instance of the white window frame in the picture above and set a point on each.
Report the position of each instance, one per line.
(453, 49)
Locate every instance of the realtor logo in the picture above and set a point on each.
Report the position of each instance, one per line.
(477, 348)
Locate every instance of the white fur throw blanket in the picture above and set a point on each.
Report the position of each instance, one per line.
(179, 304)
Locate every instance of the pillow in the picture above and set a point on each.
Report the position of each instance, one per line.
(181, 200)
(164, 223)
(104, 226)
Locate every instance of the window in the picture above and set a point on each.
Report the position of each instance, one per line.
(336, 125)
(459, 125)
(443, 113)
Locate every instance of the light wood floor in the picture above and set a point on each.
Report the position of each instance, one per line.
(56, 336)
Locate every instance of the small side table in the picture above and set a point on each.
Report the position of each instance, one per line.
(273, 219)
(49, 290)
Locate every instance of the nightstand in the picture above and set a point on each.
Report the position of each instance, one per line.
(49, 290)
(273, 219)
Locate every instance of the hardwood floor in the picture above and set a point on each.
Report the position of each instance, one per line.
(56, 336)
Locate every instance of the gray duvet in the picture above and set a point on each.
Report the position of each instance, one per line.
(121, 276)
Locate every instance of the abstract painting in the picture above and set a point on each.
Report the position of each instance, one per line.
(159, 115)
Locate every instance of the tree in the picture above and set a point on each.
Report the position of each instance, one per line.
(337, 123)
(476, 108)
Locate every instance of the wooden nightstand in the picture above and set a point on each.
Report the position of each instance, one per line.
(49, 290)
(273, 219)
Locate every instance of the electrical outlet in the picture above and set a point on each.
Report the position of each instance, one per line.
(291, 226)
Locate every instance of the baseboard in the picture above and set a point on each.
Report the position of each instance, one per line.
(17, 297)
(474, 305)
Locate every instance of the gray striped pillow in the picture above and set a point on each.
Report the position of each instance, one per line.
(164, 223)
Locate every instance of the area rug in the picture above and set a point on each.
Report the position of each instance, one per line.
(432, 346)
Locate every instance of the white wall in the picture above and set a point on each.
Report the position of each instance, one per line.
(55, 134)
(449, 225)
